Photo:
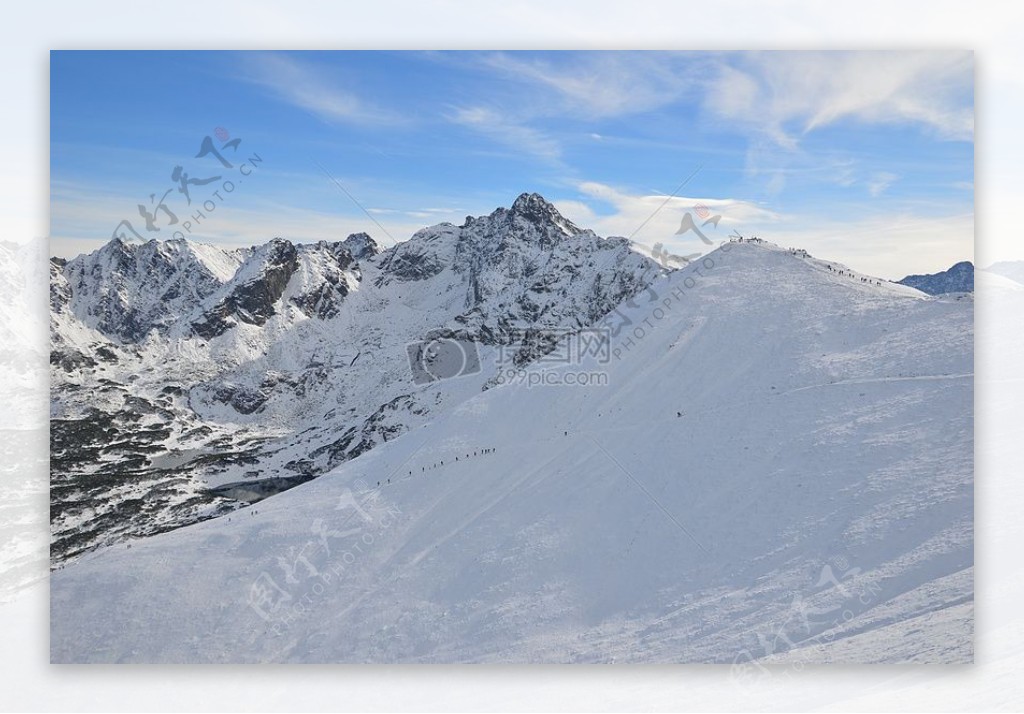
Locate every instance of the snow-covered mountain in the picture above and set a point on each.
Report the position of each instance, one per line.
(776, 465)
(1012, 269)
(22, 305)
(23, 431)
(957, 279)
(186, 377)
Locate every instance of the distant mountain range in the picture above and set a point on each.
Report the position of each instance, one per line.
(957, 279)
(186, 377)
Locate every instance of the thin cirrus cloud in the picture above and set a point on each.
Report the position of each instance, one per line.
(308, 87)
(603, 84)
(879, 182)
(785, 95)
(778, 99)
(593, 86)
(771, 99)
(499, 127)
(781, 95)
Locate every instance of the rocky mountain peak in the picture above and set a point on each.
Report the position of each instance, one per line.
(361, 246)
(535, 209)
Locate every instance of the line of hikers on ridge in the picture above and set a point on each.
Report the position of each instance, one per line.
(849, 274)
(424, 469)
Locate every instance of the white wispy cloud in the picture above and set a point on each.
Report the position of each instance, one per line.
(312, 88)
(602, 84)
(653, 218)
(535, 90)
(780, 95)
(879, 182)
(784, 95)
(506, 130)
(773, 99)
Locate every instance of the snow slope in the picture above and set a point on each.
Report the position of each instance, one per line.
(1010, 269)
(780, 462)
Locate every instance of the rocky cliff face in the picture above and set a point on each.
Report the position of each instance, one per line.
(125, 291)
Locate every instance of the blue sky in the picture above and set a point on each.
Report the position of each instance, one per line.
(863, 157)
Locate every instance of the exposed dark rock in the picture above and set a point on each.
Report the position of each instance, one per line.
(252, 302)
(958, 279)
(361, 246)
